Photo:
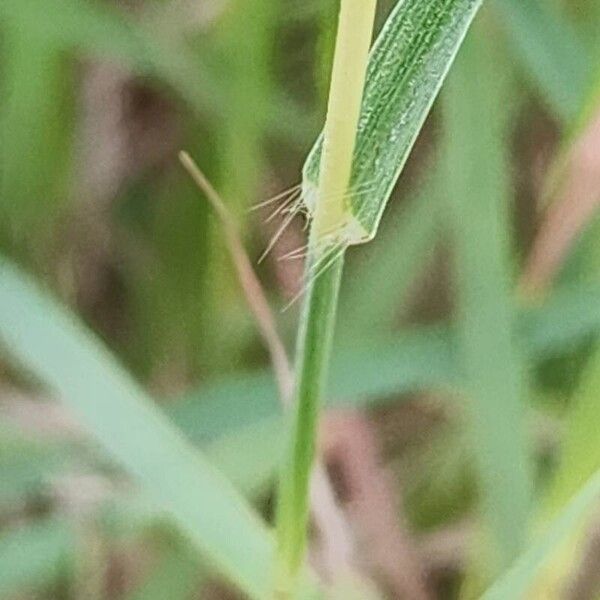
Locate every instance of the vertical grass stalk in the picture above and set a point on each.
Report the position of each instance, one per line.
(477, 113)
(315, 333)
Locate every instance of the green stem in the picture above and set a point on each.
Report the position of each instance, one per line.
(323, 274)
(350, 59)
(314, 348)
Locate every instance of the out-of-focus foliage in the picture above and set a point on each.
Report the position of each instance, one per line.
(436, 339)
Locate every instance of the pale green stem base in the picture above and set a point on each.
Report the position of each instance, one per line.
(313, 351)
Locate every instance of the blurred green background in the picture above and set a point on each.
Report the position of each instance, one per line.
(96, 100)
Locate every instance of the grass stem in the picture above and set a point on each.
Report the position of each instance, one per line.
(314, 344)
(323, 274)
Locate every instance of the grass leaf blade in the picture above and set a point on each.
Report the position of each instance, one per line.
(516, 581)
(51, 344)
(476, 119)
(554, 56)
(408, 64)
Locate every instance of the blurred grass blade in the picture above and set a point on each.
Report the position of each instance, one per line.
(71, 23)
(102, 30)
(476, 121)
(243, 52)
(518, 579)
(551, 51)
(34, 133)
(249, 454)
(50, 343)
(579, 455)
(580, 450)
(34, 555)
(380, 369)
(579, 460)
